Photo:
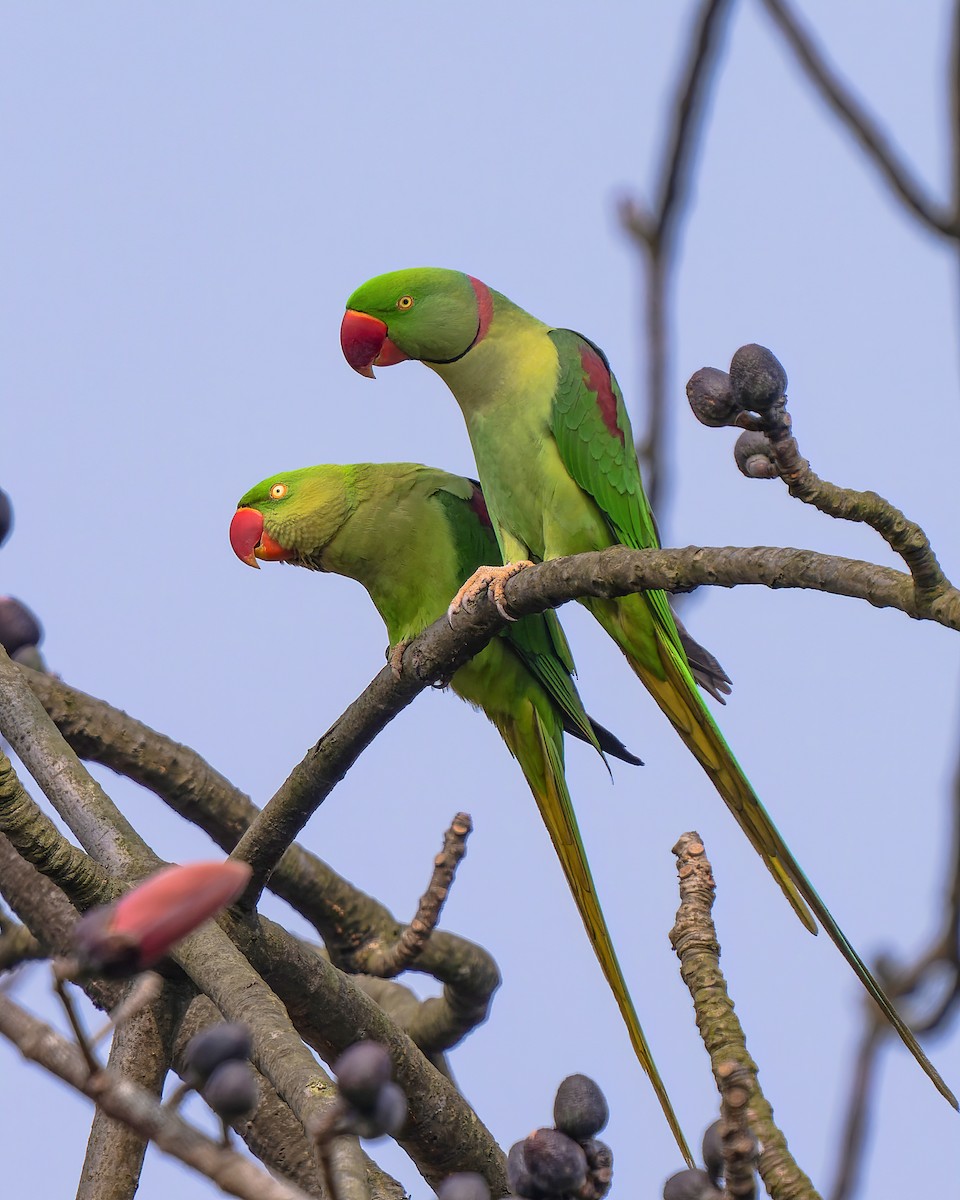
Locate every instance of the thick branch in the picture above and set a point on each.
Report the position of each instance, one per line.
(694, 938)
(98, 825)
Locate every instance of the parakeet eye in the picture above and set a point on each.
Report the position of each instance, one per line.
(278, 491)
(404, 303)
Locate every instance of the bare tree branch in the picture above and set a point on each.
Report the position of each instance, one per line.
(410, 945)
(872, 139)
(656, 233)
(125, 1101)
(352, 924)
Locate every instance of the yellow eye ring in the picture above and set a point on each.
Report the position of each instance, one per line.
(278, 491)
(405, 303)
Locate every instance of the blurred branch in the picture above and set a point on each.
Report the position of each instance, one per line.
(872, 139)
(125, 1101)
(936, 969)
(655, 232)
(694, 938)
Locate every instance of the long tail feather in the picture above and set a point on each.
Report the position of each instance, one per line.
(666, 676)
(541, 757)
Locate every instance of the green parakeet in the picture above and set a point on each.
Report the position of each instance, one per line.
(557, 464)
(411, 535)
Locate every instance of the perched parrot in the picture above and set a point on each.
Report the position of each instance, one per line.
(411, 535)
(556, 460)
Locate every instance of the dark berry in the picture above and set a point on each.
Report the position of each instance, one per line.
(712, 397)
(231, 1091)
(580, 1109)
(518, 1174)
(218, 1044)
(465, 1185)
(692, 1184)
(361, 1071)
(554, 1162)
(387, 1115)
(754, 456)
(599, 1169)
(6, 516)
(758, 379)
(713, 1152)
(18, 626)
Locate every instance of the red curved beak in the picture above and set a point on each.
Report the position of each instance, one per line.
(250, 542)
(365, 344)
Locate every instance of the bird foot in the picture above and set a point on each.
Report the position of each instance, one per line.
(395, 657)
(491, 579)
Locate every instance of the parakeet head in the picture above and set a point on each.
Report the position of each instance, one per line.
(291, 517)
(426, 313)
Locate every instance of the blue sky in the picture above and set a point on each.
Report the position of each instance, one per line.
(191, 193)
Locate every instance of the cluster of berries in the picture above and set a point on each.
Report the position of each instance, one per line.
(567, 1161)
(371, 1104)
(218, 1066)
(748, 394)
(20, 631)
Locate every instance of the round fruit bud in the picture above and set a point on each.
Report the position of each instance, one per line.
(465, 1185)
(6, 516)
(754, 456)
(361, 1071)
(227, 1042)
(518, 1174)
(712, 397)
(757, 377)
(599, 1169)
(385, 1117)
(580, 1109)
(555, 1162)
(18, 626)
(231, 1091)
(692, 1184)
(713, 1152)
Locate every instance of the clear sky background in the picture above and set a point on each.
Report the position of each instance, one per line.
(190, 193)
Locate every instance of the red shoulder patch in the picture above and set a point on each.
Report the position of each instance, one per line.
(597, 378)
(479, 506)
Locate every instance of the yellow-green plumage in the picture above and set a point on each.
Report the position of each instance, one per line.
(556, 460)
(411, 535)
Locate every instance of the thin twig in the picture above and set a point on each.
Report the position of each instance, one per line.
(874, 142)
(903, 536)
(410, 945)
(694, 938)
